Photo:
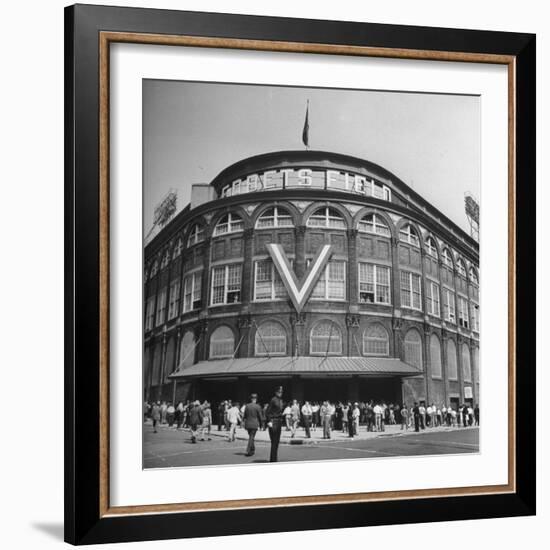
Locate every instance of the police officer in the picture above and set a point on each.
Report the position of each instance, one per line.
(274, 417)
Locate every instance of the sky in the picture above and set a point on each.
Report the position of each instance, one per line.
(193, 130)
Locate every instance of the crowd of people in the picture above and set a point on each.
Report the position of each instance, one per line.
(345, 416)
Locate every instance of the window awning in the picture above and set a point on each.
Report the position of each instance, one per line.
(371, 366)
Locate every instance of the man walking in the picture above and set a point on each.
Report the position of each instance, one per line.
(155, 416)
(233, 417)
(274, 416)
(253, 419)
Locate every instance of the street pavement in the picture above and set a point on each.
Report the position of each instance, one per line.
(173, 448)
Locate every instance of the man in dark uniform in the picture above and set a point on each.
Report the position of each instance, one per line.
(416, 415)
(253, 418)
(274, 416)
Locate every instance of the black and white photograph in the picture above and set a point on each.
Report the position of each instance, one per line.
(311, 274)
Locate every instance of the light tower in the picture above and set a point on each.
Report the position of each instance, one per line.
(471, 207)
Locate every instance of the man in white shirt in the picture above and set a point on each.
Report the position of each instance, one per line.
(429, 411)
(377, 418)
(233, 418)
(356, 413)
(422, 410)
(307, 413)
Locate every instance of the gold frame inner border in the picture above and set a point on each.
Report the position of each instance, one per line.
(105, 40)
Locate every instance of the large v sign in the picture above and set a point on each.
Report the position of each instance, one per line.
(299, 291)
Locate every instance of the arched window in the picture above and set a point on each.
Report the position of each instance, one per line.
(327, 217)
(407, 234)
(165, 259)
(177, 248)
(461, 268)
(447, 258)
(466, 366)
(196, 235)
(413, 348)
(270, 339)
(326, 338)
(435, 356)
(452, 369)
(275, 217)
(431, 249)
(154, 269)
(376, 340)
(222, 343)
(230, 223)
(374, 224)
(473, 276)
(187, 350)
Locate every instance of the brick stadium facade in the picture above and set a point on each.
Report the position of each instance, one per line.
(393, 316)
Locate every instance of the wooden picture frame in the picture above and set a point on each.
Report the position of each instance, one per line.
(89, 33)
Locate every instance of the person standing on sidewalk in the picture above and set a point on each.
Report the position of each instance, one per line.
(404, 417)
(195, 420)
(274, 416)
(350, 420)
(206, 421)
(233, 418)
(307, 414)
(326, 416)
(315, 416)
(416, 415)
(355, 415)
(252, 418)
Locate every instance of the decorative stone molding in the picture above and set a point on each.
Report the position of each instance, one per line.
(245, 321)
(298, 319)
(352, 321)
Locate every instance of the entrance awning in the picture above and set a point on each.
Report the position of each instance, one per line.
(285, 366)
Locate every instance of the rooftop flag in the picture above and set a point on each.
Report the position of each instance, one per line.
(305, 133)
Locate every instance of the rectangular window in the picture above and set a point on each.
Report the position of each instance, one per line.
(475, 317)
(226, 284)
(374, 284)
(267, 282)
(161, 307)
(463, 316)
(192, 287)
(150, 313)
(432, 298)
(411, 294)
(332, 282)
(449, 305)
(174, 302)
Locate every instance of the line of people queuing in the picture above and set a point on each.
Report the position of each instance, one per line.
(343, 416)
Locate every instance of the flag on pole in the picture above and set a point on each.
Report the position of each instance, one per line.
(305, 133)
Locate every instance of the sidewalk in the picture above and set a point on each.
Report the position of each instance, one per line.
(317, 436)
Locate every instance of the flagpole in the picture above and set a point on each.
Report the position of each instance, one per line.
(307, 111)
